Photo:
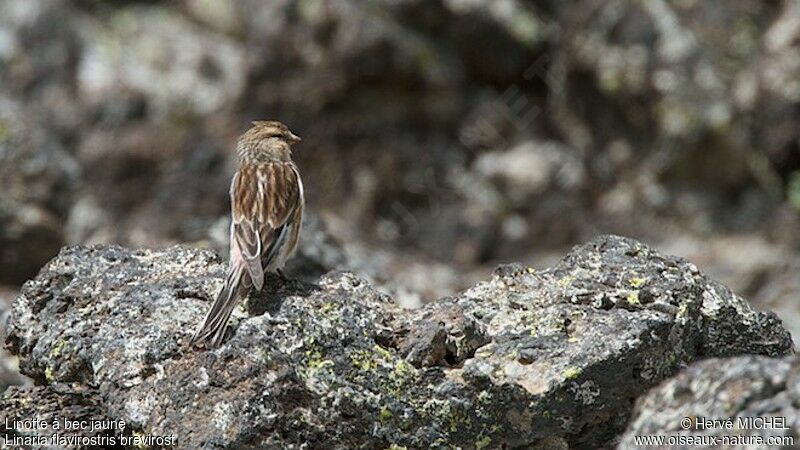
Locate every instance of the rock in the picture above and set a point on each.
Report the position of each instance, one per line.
(177, 67)
(530, 168)
(37, 179)
(778, 291)
(739, 389)
(48, 405)
(37, 46)
(552, 358)
(9, 372)
(29, 237)
(441, 334)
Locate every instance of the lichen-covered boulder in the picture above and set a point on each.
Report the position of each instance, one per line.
(528, 358)
(47, 405)
(758, 396)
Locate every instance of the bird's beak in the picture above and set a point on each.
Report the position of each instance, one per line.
(295, 138)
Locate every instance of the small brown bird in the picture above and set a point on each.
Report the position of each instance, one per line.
(266, 214)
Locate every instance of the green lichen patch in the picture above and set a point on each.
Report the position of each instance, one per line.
(565, 281)
(56, 351)
(572, 373)
(363, 360)
(637, 282)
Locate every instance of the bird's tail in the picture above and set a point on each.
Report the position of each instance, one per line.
(213, 328)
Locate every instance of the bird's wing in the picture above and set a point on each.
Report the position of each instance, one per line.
(264, 197)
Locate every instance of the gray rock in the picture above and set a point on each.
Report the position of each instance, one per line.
(48, 405)
(549, 358)
(37, 179)
(9, 373)
(739, 389)
(197, 71)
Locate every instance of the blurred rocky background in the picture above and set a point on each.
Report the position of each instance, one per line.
(440, 137)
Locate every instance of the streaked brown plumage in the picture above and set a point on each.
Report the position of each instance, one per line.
(266, 214)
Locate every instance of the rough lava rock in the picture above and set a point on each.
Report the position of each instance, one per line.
(52, 403)
(550, 358)
(9, 374)
(737, 388)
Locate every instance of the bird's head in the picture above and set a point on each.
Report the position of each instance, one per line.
(266, 141)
